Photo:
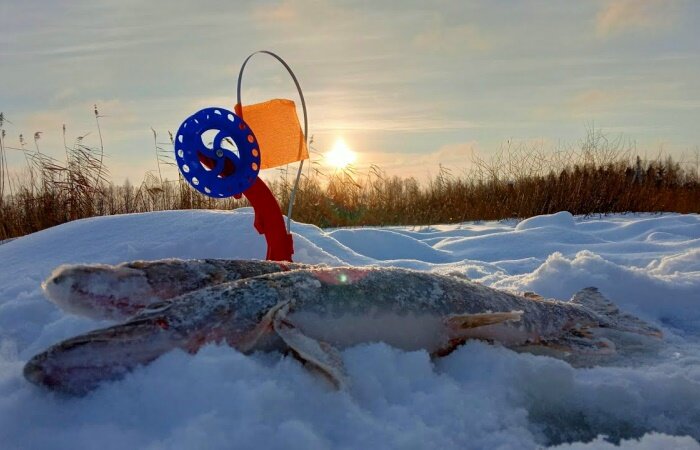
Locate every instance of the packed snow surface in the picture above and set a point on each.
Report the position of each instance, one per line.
(480, 396)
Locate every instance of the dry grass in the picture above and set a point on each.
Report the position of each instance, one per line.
(598, 176)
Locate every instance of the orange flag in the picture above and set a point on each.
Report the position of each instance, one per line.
(276, 127)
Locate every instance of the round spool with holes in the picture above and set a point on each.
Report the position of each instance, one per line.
(217, 153)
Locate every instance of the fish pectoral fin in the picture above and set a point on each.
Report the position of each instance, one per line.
(320, 355)
(250, 341)
(465, 321)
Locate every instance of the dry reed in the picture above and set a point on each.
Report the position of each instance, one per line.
(598, 176)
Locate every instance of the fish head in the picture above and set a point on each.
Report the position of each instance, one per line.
(100, 292)
(78, 365)
(220, 314)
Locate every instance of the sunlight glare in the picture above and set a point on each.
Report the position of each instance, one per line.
(340, 156)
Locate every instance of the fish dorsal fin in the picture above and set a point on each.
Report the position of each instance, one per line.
(320, 355)
(591, 299)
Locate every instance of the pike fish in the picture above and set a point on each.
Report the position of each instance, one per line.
(315, 313)
(101, 291)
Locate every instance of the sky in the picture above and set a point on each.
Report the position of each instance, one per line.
(408, 85)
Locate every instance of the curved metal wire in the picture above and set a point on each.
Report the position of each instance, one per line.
(306, 126)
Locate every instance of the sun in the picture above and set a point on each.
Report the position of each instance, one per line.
(340, 155)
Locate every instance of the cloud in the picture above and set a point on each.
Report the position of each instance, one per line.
(285, 11)
(64, 94)
(294, 15)
(620, 16)
(595, 101)
(399, 79)
(455, 157)
(439, 37)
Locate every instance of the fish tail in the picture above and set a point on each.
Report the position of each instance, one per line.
(591, 299)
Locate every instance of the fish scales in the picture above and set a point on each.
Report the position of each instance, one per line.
(314, 312)
(118, 292)
(372, 293)
(402, 292)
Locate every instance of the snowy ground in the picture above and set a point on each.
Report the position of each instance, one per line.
(480, 396)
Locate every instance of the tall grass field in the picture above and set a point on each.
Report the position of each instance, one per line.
(597, 176)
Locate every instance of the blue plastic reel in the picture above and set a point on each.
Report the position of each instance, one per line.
(217, 153)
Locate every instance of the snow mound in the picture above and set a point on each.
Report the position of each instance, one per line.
(480, 396)
(385, 245)
(562, 219)
(651, 441)
(652, 292)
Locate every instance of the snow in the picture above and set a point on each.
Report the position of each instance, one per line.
(386, 245)
(480, 396)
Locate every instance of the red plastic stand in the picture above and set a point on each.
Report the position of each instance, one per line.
(269, 222)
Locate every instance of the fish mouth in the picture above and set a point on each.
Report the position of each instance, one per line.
(78, 365)
(74, 380)
(99, 292)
